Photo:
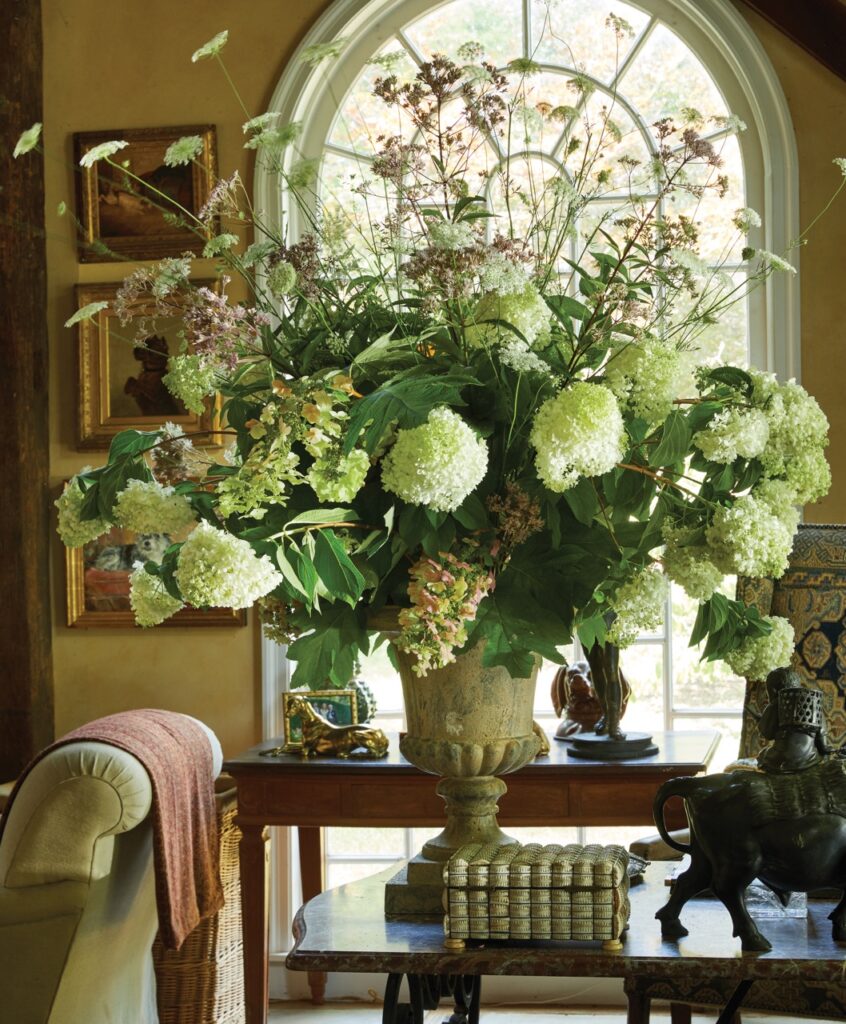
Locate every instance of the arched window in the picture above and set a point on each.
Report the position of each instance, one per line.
(644, 61)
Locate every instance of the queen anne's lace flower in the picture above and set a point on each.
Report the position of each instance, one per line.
(526, 310)
(501, 275)
(578, 433)
(444, 234)
(339, 478)
(749, 539)
(757, 656)
(734, 432)
(147, 507)
(689, 564)
(520, 357)
(646, 376)
(638, 605)
(149, 600)
(436, 464)
(73, 530)
(183, 150)
(218, 570)
(746, 218)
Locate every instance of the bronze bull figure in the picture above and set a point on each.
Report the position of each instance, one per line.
(788, 830)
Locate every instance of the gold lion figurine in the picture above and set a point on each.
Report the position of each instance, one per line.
(320, 737)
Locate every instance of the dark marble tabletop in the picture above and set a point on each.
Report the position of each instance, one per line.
(345, 930)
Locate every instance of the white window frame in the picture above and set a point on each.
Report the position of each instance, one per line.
(722, 39)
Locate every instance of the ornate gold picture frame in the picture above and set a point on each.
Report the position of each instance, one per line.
(98, 584)
(120, 384)
(340, 707)
(121, 218)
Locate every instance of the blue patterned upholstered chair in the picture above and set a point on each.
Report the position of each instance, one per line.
(812, 595)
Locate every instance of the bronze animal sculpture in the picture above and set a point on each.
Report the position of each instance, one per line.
(784, 824)
(575, 697)
(322, 738)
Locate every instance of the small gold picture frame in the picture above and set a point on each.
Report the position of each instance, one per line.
(119, 215)
(339, 707)
(98, 583)
(121, 384)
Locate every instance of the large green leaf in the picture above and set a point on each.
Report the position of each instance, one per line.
(336, 570)
(675, 441)
(132, 442)
(326, 654)
(407, 402)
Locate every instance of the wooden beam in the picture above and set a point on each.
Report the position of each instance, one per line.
(26, 676)
(818, 26)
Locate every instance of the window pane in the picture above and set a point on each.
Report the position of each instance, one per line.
(666, 76)
(575, 35)
(339, 873)
(383, 679)
(498, 27)
(364, 842)
(700, 684)
(362, 116)
(643, 667)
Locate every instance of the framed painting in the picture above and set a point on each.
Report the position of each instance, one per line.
(338, 707)
(122, 217)
(121, 382)
(98, 583)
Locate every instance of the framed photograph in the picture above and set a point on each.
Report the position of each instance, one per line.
(122, 216)
(337, 706)
(98, 583)
(121, 383)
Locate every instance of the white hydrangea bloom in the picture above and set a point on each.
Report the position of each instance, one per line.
(436, 464)
(646, 376)
(578, 433)
(797, 423)
(148, 598)
(444, 234)
(218, 570)
(780, 499)
(757, 656)
(190, 380)
(689, 565)
(749, 539)
(638, 605)
(339, 479)
(525, 309)
(808, 475)
(147, 507)
(734, 432)
(73, 530)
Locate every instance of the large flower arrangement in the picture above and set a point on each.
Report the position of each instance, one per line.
(443, 410)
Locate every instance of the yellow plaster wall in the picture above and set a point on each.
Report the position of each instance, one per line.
(121, 65)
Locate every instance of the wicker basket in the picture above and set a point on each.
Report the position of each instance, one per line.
(203, 982)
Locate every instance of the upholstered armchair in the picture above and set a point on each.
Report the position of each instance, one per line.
(812, 595)
(77, 900)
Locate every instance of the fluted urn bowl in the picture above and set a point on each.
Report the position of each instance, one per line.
(468, 724)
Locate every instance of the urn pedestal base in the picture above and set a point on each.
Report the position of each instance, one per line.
(471, 808)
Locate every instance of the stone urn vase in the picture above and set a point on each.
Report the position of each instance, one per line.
(468, 724)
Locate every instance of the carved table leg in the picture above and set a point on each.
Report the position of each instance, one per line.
(253, 857)
(311, 873)
(680, 1013)
(731, 1012)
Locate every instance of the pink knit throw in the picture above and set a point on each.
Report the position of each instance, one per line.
(178, 757)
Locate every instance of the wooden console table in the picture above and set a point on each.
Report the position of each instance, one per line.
(552, 790)
(345, 930)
